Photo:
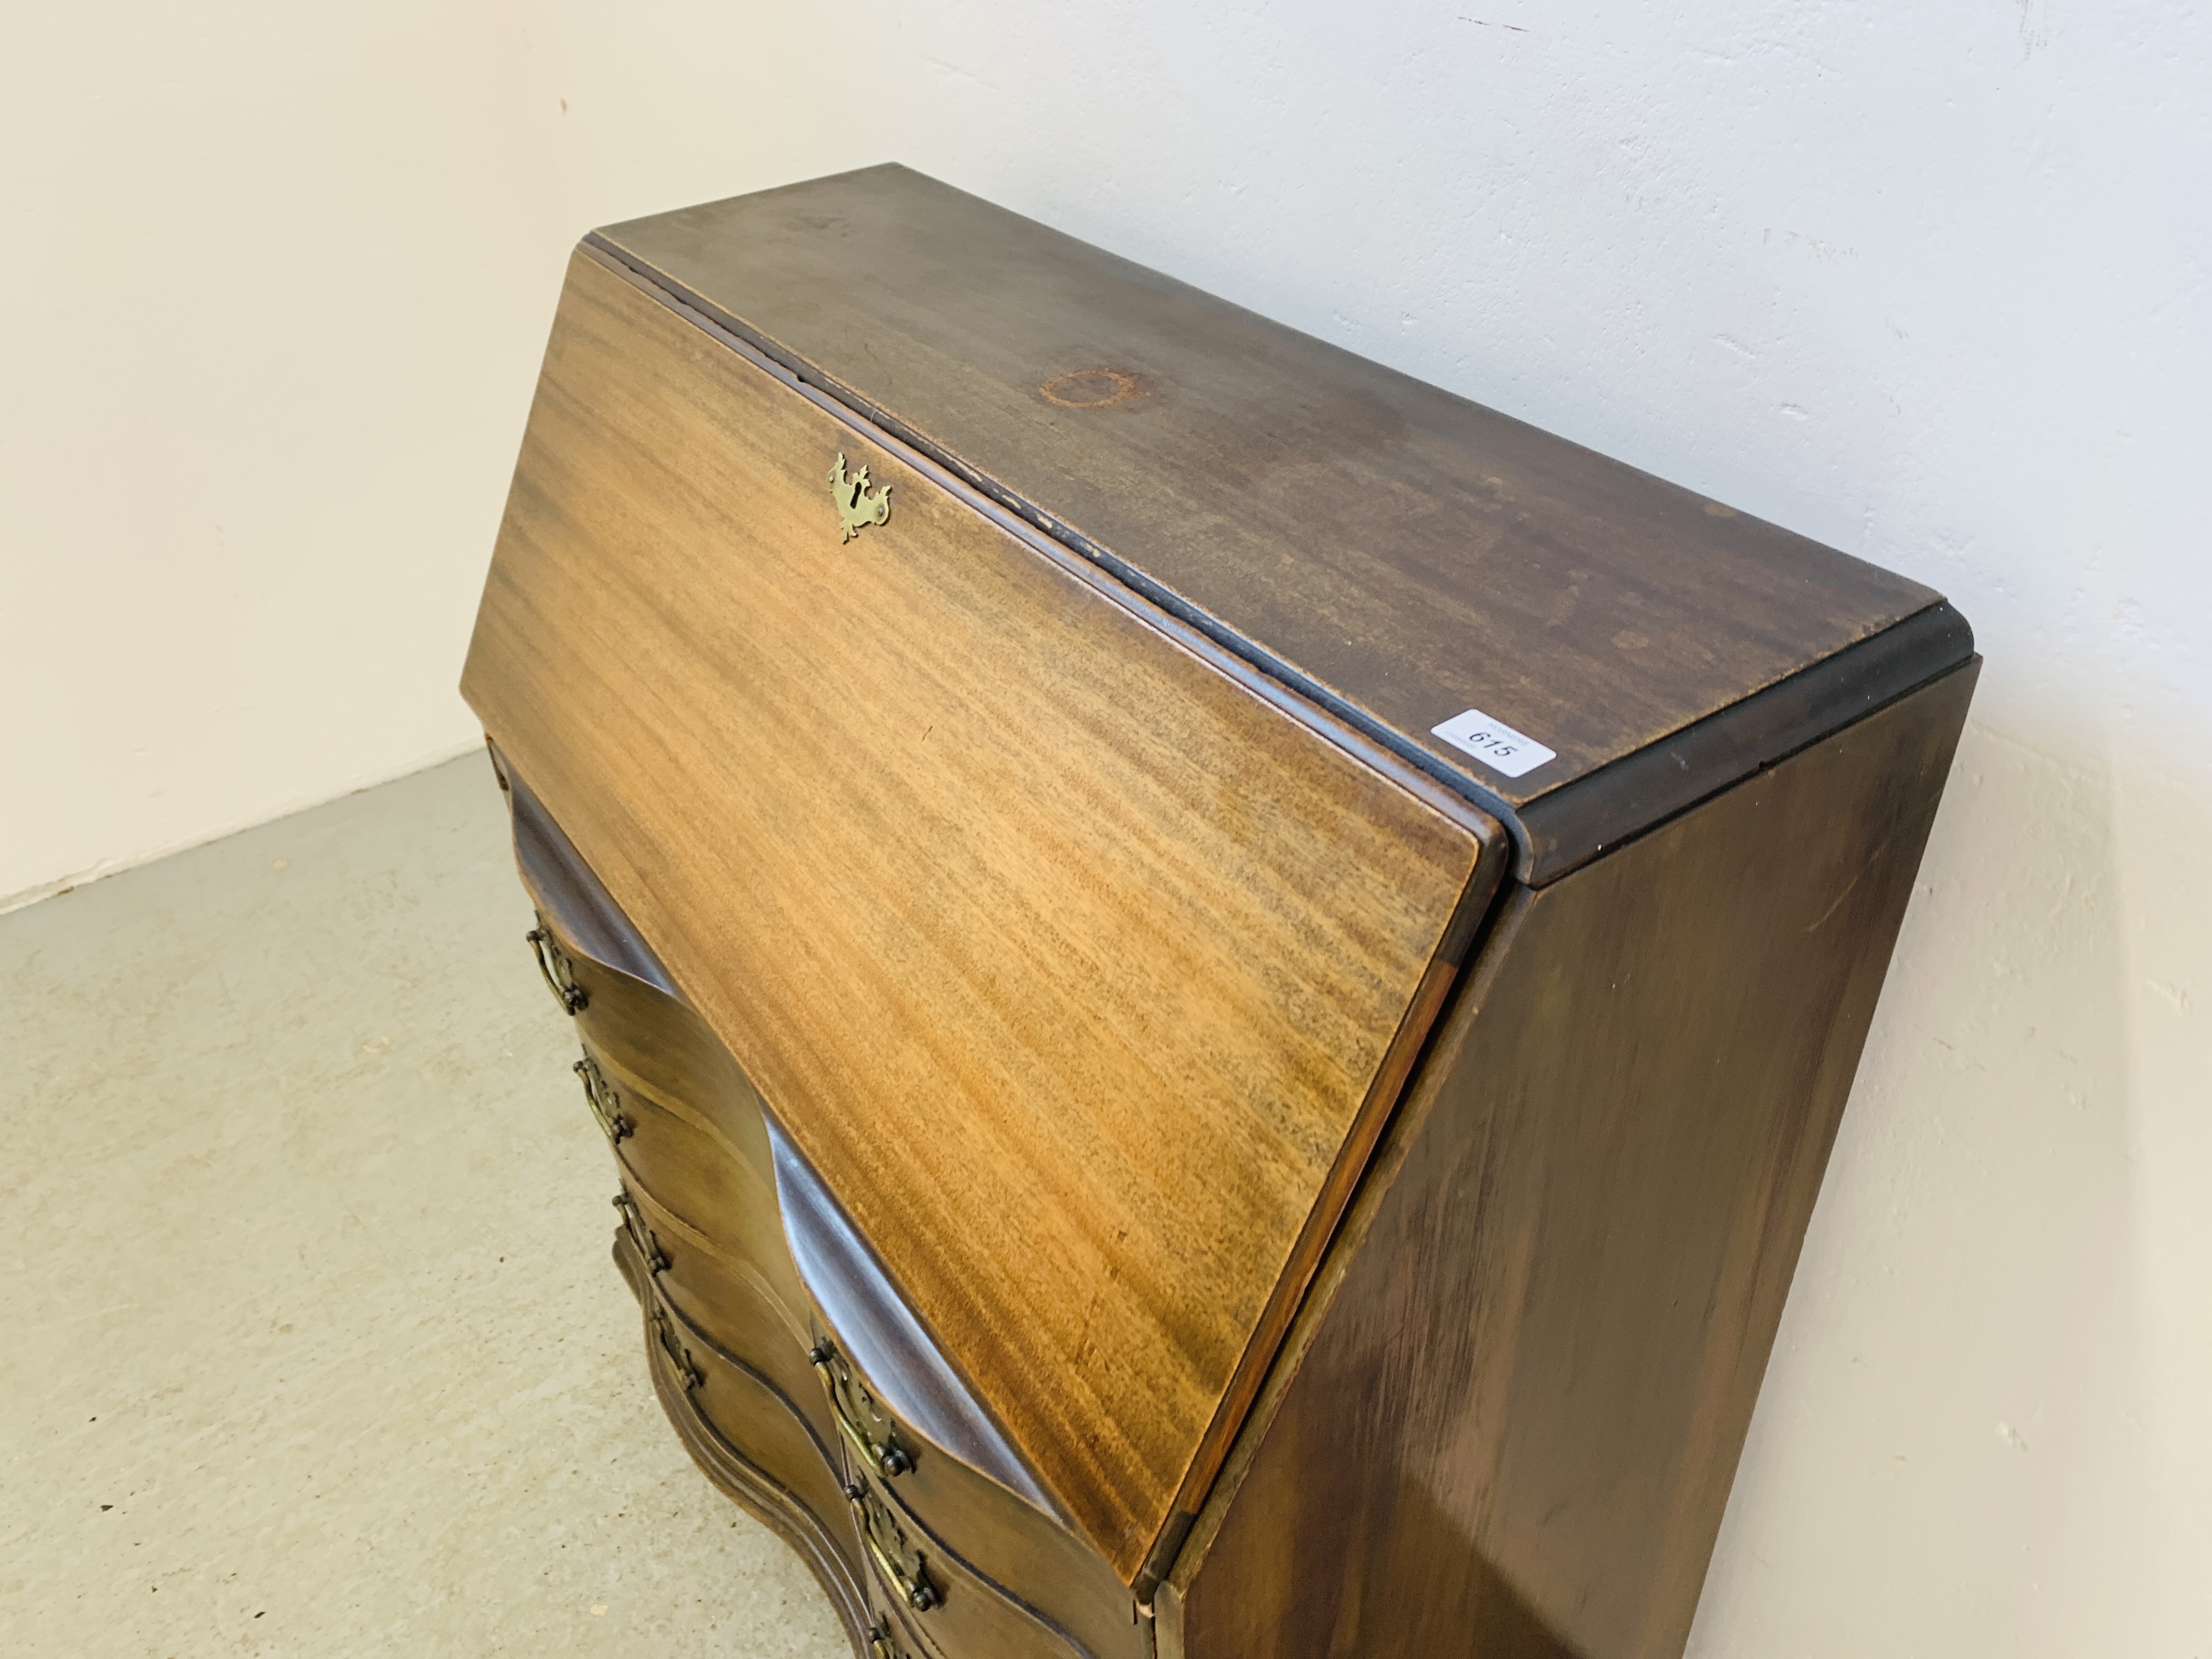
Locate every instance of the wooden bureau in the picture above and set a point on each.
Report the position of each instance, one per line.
(1220, 981)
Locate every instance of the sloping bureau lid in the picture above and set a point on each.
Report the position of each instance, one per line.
(1399, 554)
(1082, 965)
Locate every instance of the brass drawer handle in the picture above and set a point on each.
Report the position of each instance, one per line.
(889, 1457)
(648, 1245)
(605, 1103)
(679, 1355)
(913, 1583)
(560, 971)
(881, 1643)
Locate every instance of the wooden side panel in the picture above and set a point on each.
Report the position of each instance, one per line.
(1507, 1421)
(1075, 968)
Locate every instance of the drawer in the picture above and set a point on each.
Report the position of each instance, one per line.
(690, 1174)
(673, 1148)
(942, 1607)
(742, 1428)
(722, 1294)
(644, 1049)
(685, 1127)
(986, 1538)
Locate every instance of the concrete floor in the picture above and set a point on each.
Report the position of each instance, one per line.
(310, 1343)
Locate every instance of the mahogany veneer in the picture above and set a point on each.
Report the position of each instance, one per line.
(1138, 1132)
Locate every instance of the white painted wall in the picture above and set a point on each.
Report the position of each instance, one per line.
(275, 299)
(1927, 283)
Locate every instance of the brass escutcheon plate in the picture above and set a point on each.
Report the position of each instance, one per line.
(856, 508)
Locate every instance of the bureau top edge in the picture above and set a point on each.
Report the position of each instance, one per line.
(1403, 558)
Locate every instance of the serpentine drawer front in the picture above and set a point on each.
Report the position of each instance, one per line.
(1217, 982)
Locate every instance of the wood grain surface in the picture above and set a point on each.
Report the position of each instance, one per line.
(1508, 1417)
(1080, 970)
(1400, 552)
(746, 1235)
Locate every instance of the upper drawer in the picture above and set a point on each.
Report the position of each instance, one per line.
(1081, 970)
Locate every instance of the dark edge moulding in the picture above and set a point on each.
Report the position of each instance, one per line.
(1557, 832)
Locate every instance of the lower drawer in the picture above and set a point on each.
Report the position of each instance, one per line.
(748, 1435)
(719, 1289)
(1051, 1586)
(932, 1604)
